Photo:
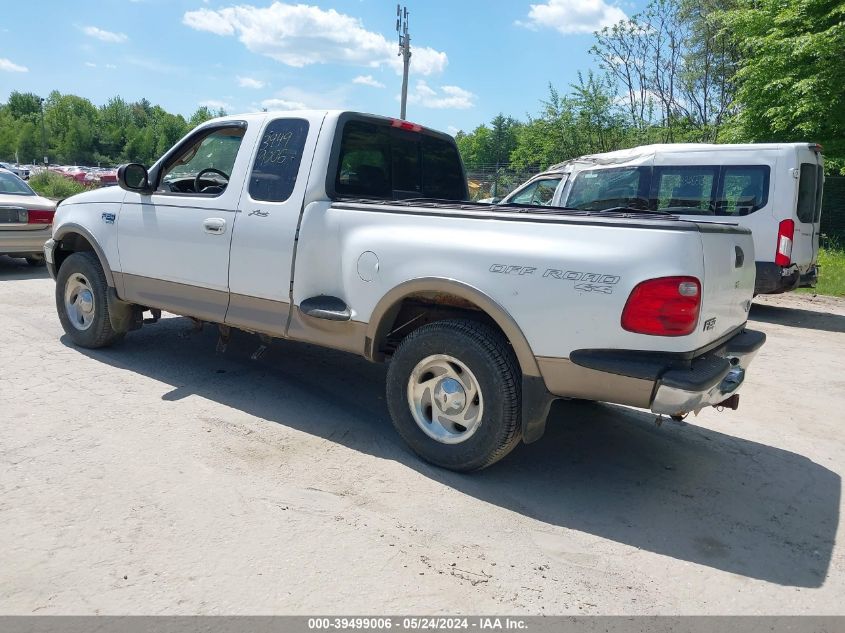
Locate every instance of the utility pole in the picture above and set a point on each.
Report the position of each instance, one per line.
(404, 52)
(43, 134)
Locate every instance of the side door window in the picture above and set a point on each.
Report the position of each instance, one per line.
(204, 166)
(686, 190)
(743, 190)
(600, 189)
(277, 160)
(525, 196)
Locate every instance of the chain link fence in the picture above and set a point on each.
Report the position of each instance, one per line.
(489, 181)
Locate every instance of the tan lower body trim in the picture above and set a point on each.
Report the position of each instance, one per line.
(241, 311)
(565, 378)
(258, 315)
(184, 299)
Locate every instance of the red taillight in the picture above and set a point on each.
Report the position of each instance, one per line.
(667, 306)
(405, 125)
(783, 254)
(40, 217)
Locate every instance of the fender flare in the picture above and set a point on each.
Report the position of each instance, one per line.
(387, 308)
(536, 399)
(72, 227)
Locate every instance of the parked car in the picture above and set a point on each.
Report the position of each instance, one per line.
(774, 189)
(19, 170)
(351, 231)
(26, 219)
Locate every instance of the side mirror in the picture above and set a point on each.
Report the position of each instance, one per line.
(133, 177)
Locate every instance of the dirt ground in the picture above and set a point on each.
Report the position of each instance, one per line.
(160, 477)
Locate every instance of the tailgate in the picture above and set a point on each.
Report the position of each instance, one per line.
(728, 284)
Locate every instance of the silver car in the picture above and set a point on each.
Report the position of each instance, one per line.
(26, 219)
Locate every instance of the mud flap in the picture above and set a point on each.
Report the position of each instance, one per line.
(536, 402)
(124, 317)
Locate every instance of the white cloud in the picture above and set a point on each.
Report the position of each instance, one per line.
(104, 36)
(91, 64)
(215, 104)
(573, 16)
(250, 82)
(10, 67)
(301, 35)
(283, 104)
(367, 80)
(111, 66)
(453, 130)
(448, 97)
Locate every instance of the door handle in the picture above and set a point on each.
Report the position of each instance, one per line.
(215, 226)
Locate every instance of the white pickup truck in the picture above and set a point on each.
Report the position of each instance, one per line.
(349, 231)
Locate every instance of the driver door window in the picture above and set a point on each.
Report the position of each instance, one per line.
(205, 166)
(539, 192)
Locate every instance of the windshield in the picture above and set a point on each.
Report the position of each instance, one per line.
(11, 184)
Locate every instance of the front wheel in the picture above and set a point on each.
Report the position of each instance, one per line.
(454, 394)
(82, 303)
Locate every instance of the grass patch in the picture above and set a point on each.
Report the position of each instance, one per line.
(831, 272)
(55, 186)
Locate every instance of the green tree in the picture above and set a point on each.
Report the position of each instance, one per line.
(791, 76)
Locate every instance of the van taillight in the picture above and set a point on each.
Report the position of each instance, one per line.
(667, 306)
(786, 231)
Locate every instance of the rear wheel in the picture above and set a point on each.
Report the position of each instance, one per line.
(81, 301)
(453, 390)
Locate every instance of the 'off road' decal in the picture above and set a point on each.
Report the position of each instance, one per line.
(582, 282)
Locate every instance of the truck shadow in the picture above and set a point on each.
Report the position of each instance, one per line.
(796, 317)
(689, 493)
(12, 269)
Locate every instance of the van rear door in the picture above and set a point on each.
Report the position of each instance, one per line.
(808, 202)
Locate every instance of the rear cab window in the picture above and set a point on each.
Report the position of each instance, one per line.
(383, 159)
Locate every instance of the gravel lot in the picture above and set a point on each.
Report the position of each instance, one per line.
(159, 477)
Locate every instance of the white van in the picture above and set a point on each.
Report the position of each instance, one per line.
(774, 189)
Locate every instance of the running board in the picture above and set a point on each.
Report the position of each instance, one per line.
(325, 307)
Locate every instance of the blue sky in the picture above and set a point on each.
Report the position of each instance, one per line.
(472, 58)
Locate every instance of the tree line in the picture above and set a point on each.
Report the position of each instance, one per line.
(728, 71)
(75, 131)
(679, 71)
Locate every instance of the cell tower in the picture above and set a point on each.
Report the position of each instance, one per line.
(404, 51)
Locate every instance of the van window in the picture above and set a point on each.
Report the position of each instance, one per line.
(599, 189)
(538, 192)
(687, 190)
(819, 188)
(743, 190)
(807, 192)
(277, 161)
(379, 161)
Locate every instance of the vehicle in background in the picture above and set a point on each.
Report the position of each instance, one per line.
(19, 170)
(774, 189)
(26, 219)
(352, 231)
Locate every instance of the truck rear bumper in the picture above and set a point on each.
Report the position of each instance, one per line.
(710, 379)
(672, 384)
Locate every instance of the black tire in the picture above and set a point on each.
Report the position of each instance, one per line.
(100, 332)
(491, 360)
(35, 260)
